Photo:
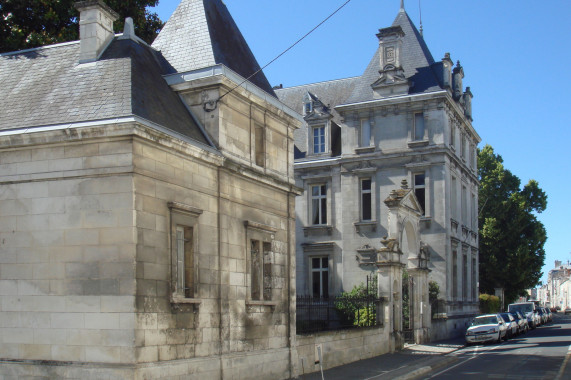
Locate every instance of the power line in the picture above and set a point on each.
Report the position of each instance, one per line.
(213, 103)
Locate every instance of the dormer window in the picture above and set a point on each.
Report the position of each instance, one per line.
(308, 107)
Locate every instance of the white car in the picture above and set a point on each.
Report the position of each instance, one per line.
(486, 328)
(511, 323)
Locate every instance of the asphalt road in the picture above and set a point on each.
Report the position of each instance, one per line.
(543, 353)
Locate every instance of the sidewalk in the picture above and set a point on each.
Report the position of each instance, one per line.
(414, 360)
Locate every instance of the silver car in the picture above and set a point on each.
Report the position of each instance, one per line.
(486, 328)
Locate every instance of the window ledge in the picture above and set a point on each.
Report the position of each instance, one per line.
(318, 229)
(261, 303)
(179, 299)
(364, 149)
(364, 224)
(417, 143)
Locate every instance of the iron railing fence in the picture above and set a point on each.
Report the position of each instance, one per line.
(316, 314)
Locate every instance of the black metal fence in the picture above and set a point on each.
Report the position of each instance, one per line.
(358, 308)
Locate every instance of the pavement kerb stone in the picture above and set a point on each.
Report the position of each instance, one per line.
(427, 368)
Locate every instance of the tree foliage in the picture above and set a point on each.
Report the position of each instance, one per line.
(27, 24)
(511, 236)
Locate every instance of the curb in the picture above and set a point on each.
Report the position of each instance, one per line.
(427, 369)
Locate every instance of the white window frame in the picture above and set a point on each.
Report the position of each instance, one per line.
(424, 202)
(362, 193)
(321, 206)
(319, 271)
(323, 146)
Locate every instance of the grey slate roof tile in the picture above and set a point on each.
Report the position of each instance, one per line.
(48, 86)
(202, 33)
(416, 61)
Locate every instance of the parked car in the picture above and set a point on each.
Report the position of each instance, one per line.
(512, 327)
(549, 314)
(486, 328)
(521, 322)
(527, 310)
(567, 310)
(542, 316)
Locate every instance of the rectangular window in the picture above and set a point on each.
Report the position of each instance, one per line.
(366, 204)
(308, 107)
(185, 260)
(365, 133)
(260, 270)
(454, 274)
(464, 206)
(474, 215)
(420, 190)
(474, 279)
(259, 146)
(463, 147)
(419, 126)
(183, 234)
(453, 199)
(319, 204)
(320, 276)
(464, 277)
(472, 155)
(452, 136)
(319, 139)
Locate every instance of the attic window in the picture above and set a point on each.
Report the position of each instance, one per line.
(308, 107)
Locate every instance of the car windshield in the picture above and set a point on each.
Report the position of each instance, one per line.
(505, 317)
(521, 307)
(491, 320)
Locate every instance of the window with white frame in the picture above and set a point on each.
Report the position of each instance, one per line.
(183, 231)
(318, 204)
(308, 107)
(420, 190)
(419, 126)
(365, 133)
(318, 133)
(319, 276)
(453, 198)
(366, 199)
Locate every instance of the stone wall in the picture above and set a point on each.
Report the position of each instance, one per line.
(340, 347)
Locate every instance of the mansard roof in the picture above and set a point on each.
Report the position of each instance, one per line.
(202, 33)
(416, 61)
(47, 86)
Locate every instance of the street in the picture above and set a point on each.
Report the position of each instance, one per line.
(539, 354)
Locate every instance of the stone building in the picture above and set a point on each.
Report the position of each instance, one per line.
(146, 205)
(407, 117)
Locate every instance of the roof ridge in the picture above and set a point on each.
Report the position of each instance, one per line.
(60, 44)
(322, 82)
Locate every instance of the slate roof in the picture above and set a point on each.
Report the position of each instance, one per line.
(329, 93)
(47, 86)
(202, 33)
(416, 61)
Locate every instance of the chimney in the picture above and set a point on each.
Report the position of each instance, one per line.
(95, 28)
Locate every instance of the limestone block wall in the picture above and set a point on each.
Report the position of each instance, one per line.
(341, 347)
(67, 248)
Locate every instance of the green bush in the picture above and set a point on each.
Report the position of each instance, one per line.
(489, 303)
(352, 308)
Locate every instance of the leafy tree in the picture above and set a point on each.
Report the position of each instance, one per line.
(27, 24)
(511, 236)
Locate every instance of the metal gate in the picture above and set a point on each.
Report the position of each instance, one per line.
(407, 307)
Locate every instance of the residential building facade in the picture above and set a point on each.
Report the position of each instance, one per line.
(407, 117)
(146, 205)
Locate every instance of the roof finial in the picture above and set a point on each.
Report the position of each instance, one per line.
(420, 12)
(402, 5)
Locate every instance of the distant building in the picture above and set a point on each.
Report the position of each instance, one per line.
(408, 117)
(146, 205)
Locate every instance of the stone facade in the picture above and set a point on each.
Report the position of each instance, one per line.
(406, 118)
(152, 244)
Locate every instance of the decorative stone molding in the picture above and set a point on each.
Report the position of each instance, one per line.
(318, 230)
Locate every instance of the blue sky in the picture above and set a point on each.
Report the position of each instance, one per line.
(515, 55)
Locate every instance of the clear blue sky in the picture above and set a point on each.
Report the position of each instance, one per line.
(515, 54)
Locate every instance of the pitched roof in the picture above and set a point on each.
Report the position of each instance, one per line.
(202, 33)
(47, 86)
(416, 61)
